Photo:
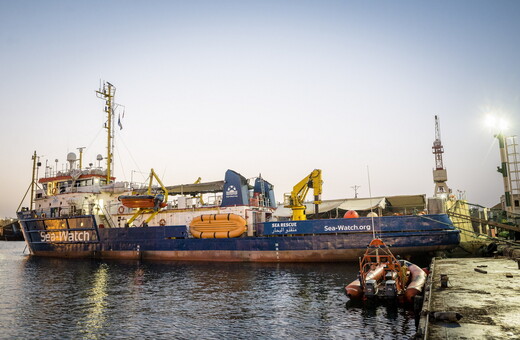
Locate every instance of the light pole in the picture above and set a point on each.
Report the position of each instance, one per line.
(355, 187)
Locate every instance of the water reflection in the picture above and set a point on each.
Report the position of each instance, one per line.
(376, 316)
(94, 319)
(92, 300)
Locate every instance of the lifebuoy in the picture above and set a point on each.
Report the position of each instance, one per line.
(121, 209)
(54, 191)
(162, 222)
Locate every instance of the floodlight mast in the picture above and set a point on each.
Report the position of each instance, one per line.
(503, 169)
(509, 166)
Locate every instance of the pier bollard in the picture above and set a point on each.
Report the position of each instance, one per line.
(444, 280)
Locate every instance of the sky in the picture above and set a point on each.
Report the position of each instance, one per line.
(276, 88)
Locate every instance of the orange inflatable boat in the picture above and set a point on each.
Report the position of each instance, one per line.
(381, 275)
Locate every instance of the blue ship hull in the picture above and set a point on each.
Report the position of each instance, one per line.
(290, 241)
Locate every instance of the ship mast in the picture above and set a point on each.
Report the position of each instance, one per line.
(34, 158)
(107, 93)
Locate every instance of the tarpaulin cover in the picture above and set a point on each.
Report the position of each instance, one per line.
(407, 201)
(358, 204)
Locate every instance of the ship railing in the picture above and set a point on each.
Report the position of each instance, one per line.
(63, 212)
(57, 212)
(90, 189)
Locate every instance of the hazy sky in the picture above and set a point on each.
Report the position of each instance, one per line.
(272, 87)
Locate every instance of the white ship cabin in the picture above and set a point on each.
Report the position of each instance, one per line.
(75, 191)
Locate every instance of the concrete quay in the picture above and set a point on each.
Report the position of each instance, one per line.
(485, 291)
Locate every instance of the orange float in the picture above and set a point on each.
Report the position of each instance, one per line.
(351, 214)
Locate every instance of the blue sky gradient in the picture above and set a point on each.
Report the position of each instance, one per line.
(272, 87)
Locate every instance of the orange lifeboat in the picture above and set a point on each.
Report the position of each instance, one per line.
(218, 226)
(141, 201)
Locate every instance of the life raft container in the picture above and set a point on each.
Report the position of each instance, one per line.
(218, 226)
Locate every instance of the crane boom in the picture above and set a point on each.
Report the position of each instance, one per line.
(295, 200)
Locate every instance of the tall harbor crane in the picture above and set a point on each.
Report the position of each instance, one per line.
(440, 175)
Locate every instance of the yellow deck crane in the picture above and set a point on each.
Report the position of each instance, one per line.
(201, 200)
(295, 200)
(147, 204)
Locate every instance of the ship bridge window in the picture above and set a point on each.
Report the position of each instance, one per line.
(63, 185)
(84, 183)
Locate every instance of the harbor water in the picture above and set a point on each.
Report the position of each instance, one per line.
(91, 299)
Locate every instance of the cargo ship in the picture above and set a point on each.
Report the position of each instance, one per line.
(83, 212)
